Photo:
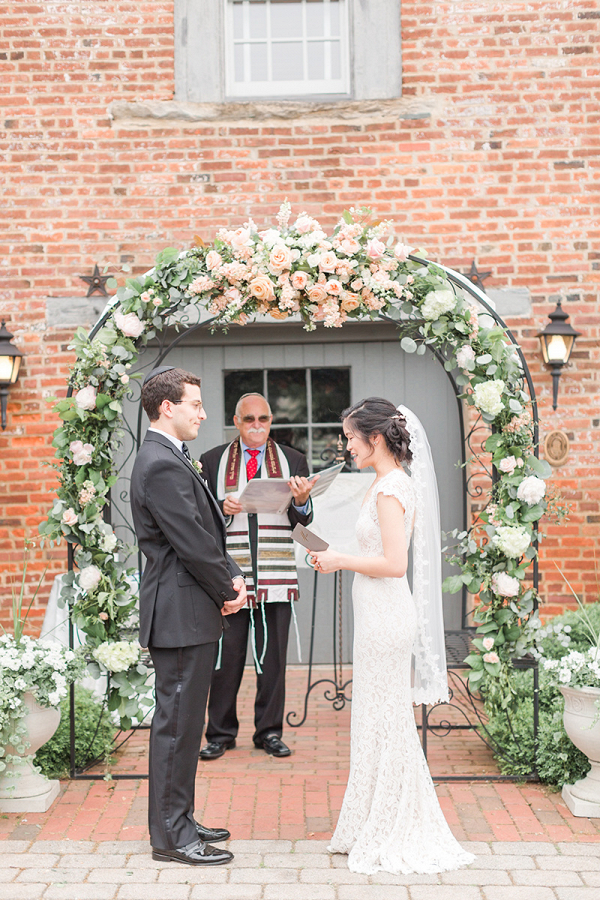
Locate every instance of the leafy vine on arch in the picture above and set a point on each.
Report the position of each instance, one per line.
(359, 271)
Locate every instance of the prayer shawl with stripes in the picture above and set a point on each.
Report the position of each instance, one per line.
(276, 565)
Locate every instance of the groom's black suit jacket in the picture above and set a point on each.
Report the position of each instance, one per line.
(181, 531)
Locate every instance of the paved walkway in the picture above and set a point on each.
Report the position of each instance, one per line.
(92, 843)
(290, 870)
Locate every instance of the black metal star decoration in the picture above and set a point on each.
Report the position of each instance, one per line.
(476, 277)
(96, 282)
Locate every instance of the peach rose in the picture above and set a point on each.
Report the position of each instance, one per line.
(357, 284)
(334, 286)
(278, 313)
(213, 260)
(317, 293)
(129, 324)
(350, 302)
(279, 259)
(327, 262)
(261, 287)
(375, 249)
(350, 246)
(299, 280)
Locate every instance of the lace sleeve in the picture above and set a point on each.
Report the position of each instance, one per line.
(397, 484)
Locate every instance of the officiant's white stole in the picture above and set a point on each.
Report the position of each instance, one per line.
(276, 564)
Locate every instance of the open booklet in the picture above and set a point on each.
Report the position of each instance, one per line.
(273, 495)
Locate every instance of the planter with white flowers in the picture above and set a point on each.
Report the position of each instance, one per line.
(34, 678)
(577, 675)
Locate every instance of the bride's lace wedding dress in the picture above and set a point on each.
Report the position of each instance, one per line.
(391, 819)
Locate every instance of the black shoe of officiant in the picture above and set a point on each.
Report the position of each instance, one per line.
(274, 746)
(215, 749)
(212, 835)
(195, 854)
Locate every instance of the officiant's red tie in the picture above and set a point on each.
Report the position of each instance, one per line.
(252, 464)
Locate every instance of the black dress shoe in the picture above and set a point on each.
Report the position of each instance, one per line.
(215, 749)
(195, 854)
(212, 835)
(274, 745)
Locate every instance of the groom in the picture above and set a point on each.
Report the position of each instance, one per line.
(189, 584)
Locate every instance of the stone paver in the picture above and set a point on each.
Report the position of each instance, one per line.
(293, 870)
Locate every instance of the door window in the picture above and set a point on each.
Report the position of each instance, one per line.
(306, 405)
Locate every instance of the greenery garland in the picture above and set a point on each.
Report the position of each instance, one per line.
(359, 271)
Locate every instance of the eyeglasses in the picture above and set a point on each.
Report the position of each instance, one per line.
(197, 404)
(262, 419)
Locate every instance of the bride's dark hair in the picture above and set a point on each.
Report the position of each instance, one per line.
(378, 416)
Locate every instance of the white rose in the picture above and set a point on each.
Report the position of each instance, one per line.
(488, 643)
(402, 251)
(505, 585)
(82, 453)
(508, 464)
(512, 540)
(531, 490)
(491, 658)
(465, 356)
(488, 396)
(86, 398)
(129, 324)
(89, 578)
(437, 303)
(69, 517)
(108, 542)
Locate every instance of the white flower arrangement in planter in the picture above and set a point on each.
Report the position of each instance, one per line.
(34, 678)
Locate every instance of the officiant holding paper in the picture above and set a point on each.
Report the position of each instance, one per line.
(262, 546)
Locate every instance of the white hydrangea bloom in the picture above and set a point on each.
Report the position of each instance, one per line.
(512, 540)
(531, 490)
(437, 303)
(488, 396)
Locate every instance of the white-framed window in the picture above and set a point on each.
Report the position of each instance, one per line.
(241, 50)
(286, 48)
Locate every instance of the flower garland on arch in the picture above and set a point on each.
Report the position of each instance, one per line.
(359, 271)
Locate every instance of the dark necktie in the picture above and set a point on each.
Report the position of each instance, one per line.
(252, 464)
(186, 452)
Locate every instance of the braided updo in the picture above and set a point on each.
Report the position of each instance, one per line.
(375, 416)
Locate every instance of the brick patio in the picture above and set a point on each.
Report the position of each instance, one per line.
(298, 798)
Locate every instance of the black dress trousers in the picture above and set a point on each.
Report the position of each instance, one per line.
(182, 680)
(269, 704)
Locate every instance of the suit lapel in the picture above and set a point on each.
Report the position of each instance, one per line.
(171, 446)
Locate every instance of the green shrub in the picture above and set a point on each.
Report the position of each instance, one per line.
(93, 737)
(511, 731)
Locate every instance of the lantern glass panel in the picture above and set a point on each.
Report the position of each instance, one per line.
(8, 370)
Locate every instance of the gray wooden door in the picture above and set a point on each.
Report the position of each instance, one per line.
(378, 367)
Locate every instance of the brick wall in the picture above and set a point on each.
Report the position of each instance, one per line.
(504, 170)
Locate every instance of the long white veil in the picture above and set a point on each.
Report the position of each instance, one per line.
(430, 683)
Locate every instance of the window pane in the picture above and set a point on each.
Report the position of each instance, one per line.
(314, 20)
(325, 443)
(287, 61)
(258, 62)
(286, 391)
(286, 20)
(336, 62)
(238, 55)
(330, 394)
(242, 381)
(334, 19)
(316, 60)
(291, 437)
(258, 20)
(238, 20)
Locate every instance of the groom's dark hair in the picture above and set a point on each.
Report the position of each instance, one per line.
(378, 416)
(168, 385)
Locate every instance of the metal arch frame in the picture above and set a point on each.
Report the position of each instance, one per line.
(339, 698)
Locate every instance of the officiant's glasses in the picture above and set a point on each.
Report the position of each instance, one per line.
(262, 419)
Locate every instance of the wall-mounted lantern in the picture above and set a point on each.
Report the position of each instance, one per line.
(557, 340)
(10, 364)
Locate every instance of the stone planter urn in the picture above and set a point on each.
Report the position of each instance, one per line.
(22, 789)
(582, 724)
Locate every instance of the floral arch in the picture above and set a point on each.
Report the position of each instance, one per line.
(296, 269)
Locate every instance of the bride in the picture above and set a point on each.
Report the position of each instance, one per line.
(390, 819)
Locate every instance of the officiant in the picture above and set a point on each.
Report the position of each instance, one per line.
(263, 548)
